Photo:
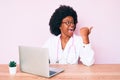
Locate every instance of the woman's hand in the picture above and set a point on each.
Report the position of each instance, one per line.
(84, 32)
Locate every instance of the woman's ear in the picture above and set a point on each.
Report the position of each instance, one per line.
(60, 27)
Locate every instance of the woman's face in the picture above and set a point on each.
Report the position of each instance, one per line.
(67, 26)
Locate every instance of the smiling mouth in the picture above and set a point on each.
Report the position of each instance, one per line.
(72, 29)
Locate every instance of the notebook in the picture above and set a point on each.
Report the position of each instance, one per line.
(35, 60)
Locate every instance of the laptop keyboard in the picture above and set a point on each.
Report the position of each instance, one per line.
(52, 72)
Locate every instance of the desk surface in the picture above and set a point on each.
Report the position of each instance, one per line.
(72, 72)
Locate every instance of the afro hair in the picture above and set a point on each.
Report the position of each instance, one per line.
(57, 17)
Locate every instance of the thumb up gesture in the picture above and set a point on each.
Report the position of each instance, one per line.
(84, 32)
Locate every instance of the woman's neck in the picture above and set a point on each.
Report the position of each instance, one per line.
(64, 40)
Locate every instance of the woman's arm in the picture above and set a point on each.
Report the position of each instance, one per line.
(87, 55)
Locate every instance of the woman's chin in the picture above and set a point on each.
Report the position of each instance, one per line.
(71, 34)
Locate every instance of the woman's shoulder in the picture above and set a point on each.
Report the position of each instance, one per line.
(78, 40)
(53, 37)
(51, 41)
(77, 37)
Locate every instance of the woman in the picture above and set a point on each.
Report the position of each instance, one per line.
(66, 47)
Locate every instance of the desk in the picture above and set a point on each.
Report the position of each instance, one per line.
(72, 72)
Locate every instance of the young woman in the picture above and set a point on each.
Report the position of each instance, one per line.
(65, 47)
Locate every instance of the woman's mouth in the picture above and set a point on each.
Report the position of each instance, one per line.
(71, 29)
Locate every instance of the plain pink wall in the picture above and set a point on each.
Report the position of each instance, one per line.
(25, 22)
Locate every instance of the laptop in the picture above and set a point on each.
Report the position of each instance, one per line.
(35, 60)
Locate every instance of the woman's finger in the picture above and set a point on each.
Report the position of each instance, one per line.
(90, 29)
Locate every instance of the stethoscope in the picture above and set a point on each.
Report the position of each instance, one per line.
(72, 45)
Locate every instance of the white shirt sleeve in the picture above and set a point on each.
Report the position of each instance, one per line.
(87, 55)
(51, 45)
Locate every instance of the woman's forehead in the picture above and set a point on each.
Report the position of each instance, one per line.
(68, 18)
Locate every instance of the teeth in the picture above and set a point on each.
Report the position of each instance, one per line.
(71, 29)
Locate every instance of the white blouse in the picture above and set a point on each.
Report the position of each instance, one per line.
(74, 50)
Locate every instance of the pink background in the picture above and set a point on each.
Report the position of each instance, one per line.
(25, 22)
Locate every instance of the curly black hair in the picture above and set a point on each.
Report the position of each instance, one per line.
(57, 17)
